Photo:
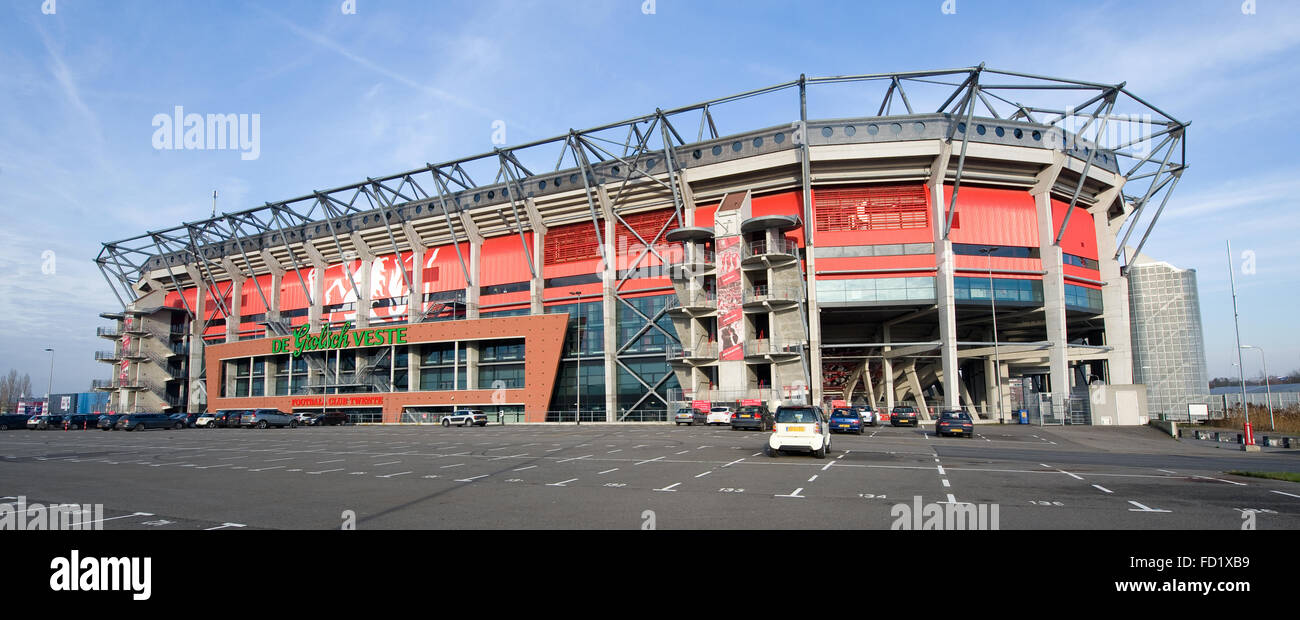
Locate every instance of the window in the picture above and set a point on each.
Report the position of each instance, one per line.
(1005, 251)
(877, 207)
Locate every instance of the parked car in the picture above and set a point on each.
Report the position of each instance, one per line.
(903, 415)
(329, 418)
(42, 422)
(845, 420)
(226, 418)
(685, 415)
(800, 427)
(205, 420)
(304, 419)
(79, 421)
(465, 417)
(867, 413)
(13, 420)
(191, 420)
(954, 422)
(718, 415)
(142, 421)
(266, 418)
(108, 421)
(756, 417)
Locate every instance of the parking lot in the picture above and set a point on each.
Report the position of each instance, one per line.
(631, 476)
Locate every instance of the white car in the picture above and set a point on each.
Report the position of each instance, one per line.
(718, 415)
(802, 429)
(204, 421)
(465, 417)
(304, 419)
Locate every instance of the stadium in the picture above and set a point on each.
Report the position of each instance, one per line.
(957, 241)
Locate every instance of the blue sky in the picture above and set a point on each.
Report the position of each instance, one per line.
(343, 97)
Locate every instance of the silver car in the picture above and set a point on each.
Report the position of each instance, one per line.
(465, 417)
(265, 418)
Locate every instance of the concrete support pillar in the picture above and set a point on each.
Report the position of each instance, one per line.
(537, 286)
(1114, 293)
(472, 287)
(363, 277)
(888, 373)
(472, 352)
(415, 297)
(610, 306)
(1053, 297)
(236, 298)
(413, 360)
(277, 283)
(943, 289)
(196, 345)
(915, 383)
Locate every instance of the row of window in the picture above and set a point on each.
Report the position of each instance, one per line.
(874, 290)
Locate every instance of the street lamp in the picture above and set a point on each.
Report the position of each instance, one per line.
(577, 417)
(997, 359)
(50, 387)
(1268, 390)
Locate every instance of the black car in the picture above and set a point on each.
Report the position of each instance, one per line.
(902, 415)
(108, 421)
(187, 418)
(43, 422)
(330, 418)
(13, 420)
(756, 417)
(954, 423)
(142, 421)
(226, 419)
(80, 421)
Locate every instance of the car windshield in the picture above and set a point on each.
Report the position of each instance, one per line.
(796, 416)
(953, 415)
(719, 410)
(844, 413)
(903, 410)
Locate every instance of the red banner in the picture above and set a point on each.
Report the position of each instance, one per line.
(730, 299)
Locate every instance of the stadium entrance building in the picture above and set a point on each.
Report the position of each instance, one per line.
(964, 256)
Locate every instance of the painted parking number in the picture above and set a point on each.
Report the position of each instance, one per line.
(1045, 503)
(730, 490)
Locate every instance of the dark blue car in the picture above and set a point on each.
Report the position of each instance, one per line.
(845, 420)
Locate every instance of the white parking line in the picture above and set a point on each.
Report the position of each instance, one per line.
(224, 526)
(1240, 484)
(813, 478)
(1167, 471)
(669, 488)
(266, 468)
(523, 468)
(512, 456)
(941, 472)
(733, 462)
(606, 471)
(795, 494)
(283, 459)
(1141, 508)
(576, 458)
(391, 475)
(1287, 494)
(213, 466)
(451, 466)
(951, 499)
(945, 482)
(134, 514)
(649, 460)
(613, 451)
(324, 471)
(560, 484)
(333, 461)
(388, 463)
(1068, 474)
(1102, 488)
(704, 474)
(683, 452)
(473, 478)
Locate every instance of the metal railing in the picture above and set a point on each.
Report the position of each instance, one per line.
(780, 246)
(704, 350)
(107, 332)
(103, 384)
(110, 356)
(767, 346)
(764, 292)
(695, 299)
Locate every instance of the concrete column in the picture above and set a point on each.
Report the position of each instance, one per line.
(610, 307)
(277, 283)
(943, 289)
(413, 360)
(415, 298)
(472, 352)
(915, 382)
(1114, 295)
(196, 344)
(1053, 296)
(363, 278)
(236, 298)
(471, 287)
(537, 286)
(888, 372)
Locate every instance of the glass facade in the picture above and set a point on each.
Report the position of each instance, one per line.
(1005, 290)
(875, 290)
(1168, 341)
(1082, 298)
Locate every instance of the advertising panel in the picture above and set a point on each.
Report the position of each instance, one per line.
(730, 292)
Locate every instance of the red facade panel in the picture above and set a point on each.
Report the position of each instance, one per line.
(974, 266)
(872, 215)
(994, 216)
(1080, 237)
(292, 295)
(443, 264)
(505, 260)
(571, 243)
(250, 300)
(865, 263)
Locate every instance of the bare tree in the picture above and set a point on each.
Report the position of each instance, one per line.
(13, 387)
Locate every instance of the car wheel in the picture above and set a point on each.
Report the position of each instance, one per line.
(138, 427)
(772, 452)
(178, 426)
(262, 424)
(4, 427)
(445, 423)
(862, 429)
(820, 452)
(293, 424)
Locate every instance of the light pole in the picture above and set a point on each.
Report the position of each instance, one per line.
(50, 387)
(997, 359)
(1241, 368)
(577, 414)
(1267, 390)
